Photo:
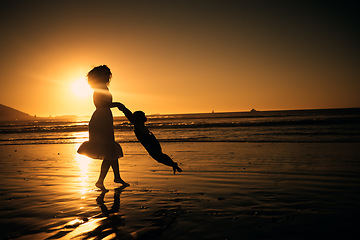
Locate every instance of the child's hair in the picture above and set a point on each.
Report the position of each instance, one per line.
(140, 115)
(101, 74)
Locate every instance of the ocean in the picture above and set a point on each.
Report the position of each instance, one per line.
(323, 125)
(246, 175)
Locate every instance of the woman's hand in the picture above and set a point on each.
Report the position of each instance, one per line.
(125, 110)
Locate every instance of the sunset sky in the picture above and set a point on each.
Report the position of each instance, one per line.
(181, 56)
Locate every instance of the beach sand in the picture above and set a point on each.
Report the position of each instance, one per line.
(226, 191)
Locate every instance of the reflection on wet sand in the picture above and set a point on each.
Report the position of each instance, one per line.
(111, 223)
(108, 223)
(83, 163)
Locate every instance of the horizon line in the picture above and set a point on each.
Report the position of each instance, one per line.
(211, 112)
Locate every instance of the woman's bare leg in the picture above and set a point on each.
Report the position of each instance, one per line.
(105, 165)
(115, 168)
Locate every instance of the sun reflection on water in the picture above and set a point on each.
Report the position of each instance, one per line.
(80, 137)
(84, 167)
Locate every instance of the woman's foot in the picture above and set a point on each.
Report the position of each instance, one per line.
(101, 186)
(119, 180)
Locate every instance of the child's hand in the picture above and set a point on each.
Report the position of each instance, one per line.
(120, 106)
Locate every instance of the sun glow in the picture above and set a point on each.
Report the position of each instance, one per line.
(80, 88)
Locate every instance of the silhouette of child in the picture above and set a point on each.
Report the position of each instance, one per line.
(147, 138)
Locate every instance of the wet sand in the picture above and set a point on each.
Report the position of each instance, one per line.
(226, 191)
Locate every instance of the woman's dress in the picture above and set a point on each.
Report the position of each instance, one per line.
(101, 144)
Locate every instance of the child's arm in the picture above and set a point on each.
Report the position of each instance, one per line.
(126, 111)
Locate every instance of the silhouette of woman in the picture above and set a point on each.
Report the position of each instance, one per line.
(101, 144)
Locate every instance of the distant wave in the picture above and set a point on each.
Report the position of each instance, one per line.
(8, 129)
(256, 123)
(342, 125)
(68, 141)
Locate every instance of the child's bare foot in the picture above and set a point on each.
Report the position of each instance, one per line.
(101, 186)
(176, 168)
(119, 180)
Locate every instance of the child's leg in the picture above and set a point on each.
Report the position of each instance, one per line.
(162, 158)
(105, 165)
(166, 160)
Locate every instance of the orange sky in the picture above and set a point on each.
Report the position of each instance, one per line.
(181, 56)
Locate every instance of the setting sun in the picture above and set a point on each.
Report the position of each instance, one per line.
(80, 88)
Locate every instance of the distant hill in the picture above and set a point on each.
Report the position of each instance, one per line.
(11, 114)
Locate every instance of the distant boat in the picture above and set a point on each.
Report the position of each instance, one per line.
(253, 110)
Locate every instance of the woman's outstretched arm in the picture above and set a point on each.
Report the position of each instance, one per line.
(126, 111)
